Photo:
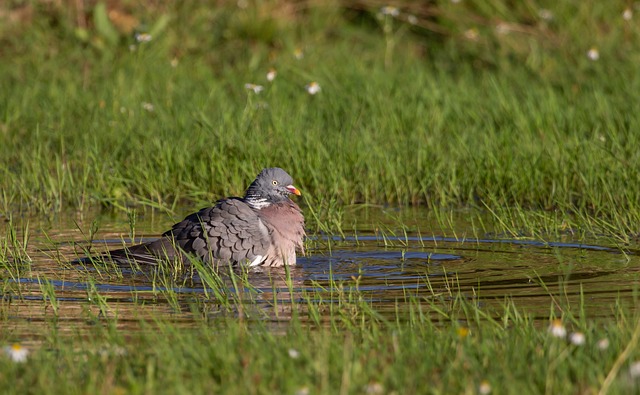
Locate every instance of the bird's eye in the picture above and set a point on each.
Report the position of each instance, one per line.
(274, 182)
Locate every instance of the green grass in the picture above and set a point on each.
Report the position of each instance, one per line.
(431, 346)
(407, 114)
(482, 105)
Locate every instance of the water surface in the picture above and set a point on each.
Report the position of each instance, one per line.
(392, 257)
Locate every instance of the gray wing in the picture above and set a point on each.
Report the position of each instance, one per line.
(230, 231)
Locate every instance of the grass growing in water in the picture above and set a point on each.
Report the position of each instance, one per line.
(436, 345)
(234, 333)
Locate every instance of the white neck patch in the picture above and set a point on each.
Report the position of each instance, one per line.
(257, 204)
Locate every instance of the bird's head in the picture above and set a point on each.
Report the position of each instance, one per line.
(272, 185)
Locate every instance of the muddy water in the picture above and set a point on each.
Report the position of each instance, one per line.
(394, 258)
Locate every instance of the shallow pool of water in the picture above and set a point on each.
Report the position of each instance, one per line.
(392, 257)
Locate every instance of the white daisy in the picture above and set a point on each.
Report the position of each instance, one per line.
(271, 75)
(634, 369)
(484, 388)
(16, 352)
(557, 329)
(545, 14)
(390, 11)
(577, 338)
(253, 87)
(143, 37)
(603, 344)
(313, 88)
(593, 54)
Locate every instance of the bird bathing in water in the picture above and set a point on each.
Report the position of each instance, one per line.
(263, 228)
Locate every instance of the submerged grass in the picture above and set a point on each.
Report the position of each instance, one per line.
(271, 332)
(434, 345)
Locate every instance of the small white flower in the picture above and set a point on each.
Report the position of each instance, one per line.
(271, 75)
(298, 54)
(471, 34)
(484, 388)
(174, 62)
(293, 353)
(143, 37)
(242, 4)
(577, 338)
(373, 388)
(148, 106)
(117, 351)
(593, 54)
(557, 329)
(313, 88)
(253, 87)
(545, 14)
(16, 352)
(303, 391)
(627, 14)
(502, 28)
(390, 11)
(603, 344)
(634, 370)
(412, 19)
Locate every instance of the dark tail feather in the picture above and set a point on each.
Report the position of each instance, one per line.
(141, 254)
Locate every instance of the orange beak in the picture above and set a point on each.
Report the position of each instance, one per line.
(293, 190)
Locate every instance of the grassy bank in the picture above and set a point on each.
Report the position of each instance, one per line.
(433, 346)
(475, 104)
